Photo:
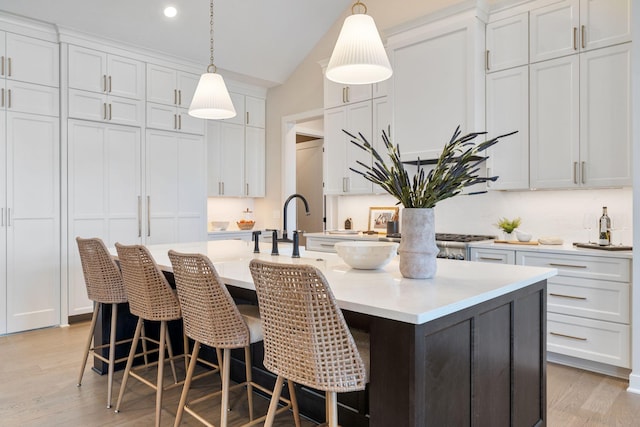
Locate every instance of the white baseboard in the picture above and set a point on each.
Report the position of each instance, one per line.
(588, 365)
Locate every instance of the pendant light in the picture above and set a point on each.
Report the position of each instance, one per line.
(211, 99)
(359, 56)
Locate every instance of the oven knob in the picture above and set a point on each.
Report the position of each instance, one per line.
(451, 256)
(460, 257)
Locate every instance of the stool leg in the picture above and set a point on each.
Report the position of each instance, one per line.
(127, 369)
(112, 351)
(226, 369)
(87, 347)
(273, 405)
(294, 402)
(247, 366)
(159, 386)
(144, 346)
(332, 409)
(187, 383)
(185, 346)
(170, 350)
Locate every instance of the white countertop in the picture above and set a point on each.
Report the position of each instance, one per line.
(342, 235)
(383, 293)
(566, 248)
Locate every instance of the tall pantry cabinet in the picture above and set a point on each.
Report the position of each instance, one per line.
(29, 182)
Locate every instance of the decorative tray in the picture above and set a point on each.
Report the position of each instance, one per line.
(603, 248)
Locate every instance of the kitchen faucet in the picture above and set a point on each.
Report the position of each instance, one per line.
(286, 203)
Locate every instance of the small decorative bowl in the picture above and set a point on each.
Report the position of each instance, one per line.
(366, 255)
(218, 225)
(523, 236)
(245, 225)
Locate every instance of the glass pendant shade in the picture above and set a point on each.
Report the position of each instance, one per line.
(359, 56)
(211, 99)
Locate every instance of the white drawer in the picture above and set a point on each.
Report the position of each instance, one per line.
(585, 266)
(321, 245)
(595, 299)
(495, 256)
(595, 340)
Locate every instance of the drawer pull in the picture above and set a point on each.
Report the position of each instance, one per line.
(567, 296)
(567, 265)
(568, 336)
(327, 245)
(486, 258)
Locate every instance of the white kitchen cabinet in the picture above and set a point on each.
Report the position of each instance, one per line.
(105, 108)
(507, 43)
(507, 111)
(575, 140)
(254, 162)
(340, 154)
(30, 221)
(338, 94)
(175, 187)
(105, 194)
(170, 87)
(381, 121)
(250, 110)
(31, 98)
(571, 26)
(30, 60)
(101, 72)
(438, 84)
(167, 117)
(492, 255)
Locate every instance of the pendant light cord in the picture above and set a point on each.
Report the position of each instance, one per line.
(211, 68)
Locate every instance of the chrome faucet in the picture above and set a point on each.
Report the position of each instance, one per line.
(286, 203)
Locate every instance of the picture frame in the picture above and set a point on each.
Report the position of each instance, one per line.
(380, 215)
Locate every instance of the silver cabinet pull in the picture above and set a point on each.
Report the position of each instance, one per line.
(2, 96)
(139, 216)
(327, 245)
(148, 216)
(219, 188)
(486, 60)
(553, 264)
(104, 82)
(104, 114)
(575, 38)
(175, 121)
(568, 336)
(575, 172)
(9, 98)
(109, 84)
(2, 66)
(247, 117)
(175, 96)
(179, 121)
(223, 188)
(9, 66)
(344, 100)
(347, 93)
(247, 189)
(582, 173)
(583, 37)
(486, 258)
(567, 296)
(179, 97)
(110, 115)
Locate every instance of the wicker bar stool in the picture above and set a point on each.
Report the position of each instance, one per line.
(306, 339)
(103, 280)
(212, 318)
(150, 298)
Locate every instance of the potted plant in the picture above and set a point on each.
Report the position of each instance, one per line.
(455, 169)
(508, 226)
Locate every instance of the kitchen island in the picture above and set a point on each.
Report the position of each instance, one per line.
(464, 348)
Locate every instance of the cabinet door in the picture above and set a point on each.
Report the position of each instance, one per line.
(494, 256)
(337, 94)
(33, 222)
(105, 194)
(605, 117)
(191, 212)
(254, 161)
(87, 105)
(335, 119)
(554, 30)
(189, 124)
(32, 98)
(381, 121)
(3, 219)
(87, 69)
(225, 154)
(161, 85)
(126, 77)
(507, 43)
(32, 60)
(508, 110)
(162, 116)
(604, 22)
(255, 112)
(554, 121)
(359, 118)
(187, 84)
(125, 111)
(238, 103)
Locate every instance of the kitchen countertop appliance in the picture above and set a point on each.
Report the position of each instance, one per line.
(451, 245)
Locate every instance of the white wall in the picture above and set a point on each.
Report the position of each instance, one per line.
(229, 209)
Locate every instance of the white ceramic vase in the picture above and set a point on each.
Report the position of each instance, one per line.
(418, 249)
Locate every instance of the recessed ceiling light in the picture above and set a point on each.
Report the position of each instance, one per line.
(170, 12)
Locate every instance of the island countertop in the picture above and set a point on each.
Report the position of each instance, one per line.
(383, 293)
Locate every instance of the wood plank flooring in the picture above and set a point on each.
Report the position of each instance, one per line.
(38, 373)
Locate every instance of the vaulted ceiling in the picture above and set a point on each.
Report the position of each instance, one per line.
(262, 39)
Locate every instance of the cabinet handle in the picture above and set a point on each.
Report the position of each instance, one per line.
(104, 109)
(575, 38)
(327, 245)
(2, 98)
(9, 98)
(247, 189)
(179, 97)
(486, 258)
(110, 115)
(247, 118)
(109, 84)
(175, 96)
(348, 94)
(582, 37)
(104, 82)
(223, 188)
(582, 174)
(486, 60)
(179, 121)
(175, 121)
(568, 336)
(575, 172)
(139, 216)
(2, 66)
(148, 216)
(488, 175)
(343, 98)
(553, 264)
(9, 66)
(567, 296)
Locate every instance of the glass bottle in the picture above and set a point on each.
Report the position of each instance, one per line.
(604, 228)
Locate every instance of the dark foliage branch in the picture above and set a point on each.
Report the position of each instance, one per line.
(456, 168)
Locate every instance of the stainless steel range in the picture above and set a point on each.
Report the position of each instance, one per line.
(452, 246)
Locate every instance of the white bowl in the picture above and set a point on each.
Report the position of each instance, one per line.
(365, 255)
(523, 236)
(218, 225)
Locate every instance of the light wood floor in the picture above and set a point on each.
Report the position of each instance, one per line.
(38, 373)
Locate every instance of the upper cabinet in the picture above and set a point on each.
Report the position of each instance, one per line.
(507, 43)
(572, 26)
(29, 60)
(100, 72)
(250, 110)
